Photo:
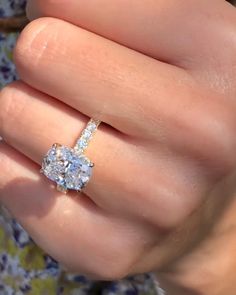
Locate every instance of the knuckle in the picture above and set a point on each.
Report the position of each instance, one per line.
(11, 106)
(6, 167)
(212, 141)
(105, 271)
(33, 42)
(109, 272)
(107, 261)
(5, 110)
(168, 204)
(220, 143)
(115, 265)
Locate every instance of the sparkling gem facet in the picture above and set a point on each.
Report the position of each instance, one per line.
(67, 168)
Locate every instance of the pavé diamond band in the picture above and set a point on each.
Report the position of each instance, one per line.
(68, 167)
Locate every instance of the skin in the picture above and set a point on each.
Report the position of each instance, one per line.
(162, 196)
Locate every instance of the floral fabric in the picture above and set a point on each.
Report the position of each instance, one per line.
(7, 68)
(24, 267)
(11, 7)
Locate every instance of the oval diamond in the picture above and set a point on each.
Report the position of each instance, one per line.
(67, 168)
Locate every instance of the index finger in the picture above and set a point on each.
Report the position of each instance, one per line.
(171, 31)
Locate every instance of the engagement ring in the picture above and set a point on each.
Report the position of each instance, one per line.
(68, 167)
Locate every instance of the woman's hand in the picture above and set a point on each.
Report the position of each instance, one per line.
(161, 76)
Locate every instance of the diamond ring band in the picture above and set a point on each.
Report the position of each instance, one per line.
(68, 167)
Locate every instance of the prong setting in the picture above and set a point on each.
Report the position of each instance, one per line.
(68, 167)
(62, 189)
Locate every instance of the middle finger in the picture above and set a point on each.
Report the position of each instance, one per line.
(97, 76)
(135, 94)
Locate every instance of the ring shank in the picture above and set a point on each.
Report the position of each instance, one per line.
(87, 135)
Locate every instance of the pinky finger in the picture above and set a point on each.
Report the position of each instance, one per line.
(72, 229)
(47, 215)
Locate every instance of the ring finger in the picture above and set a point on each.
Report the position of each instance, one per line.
(114, 187)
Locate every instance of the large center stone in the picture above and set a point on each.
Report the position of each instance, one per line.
(70, 170)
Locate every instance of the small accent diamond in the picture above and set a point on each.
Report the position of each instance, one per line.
(87, 134)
